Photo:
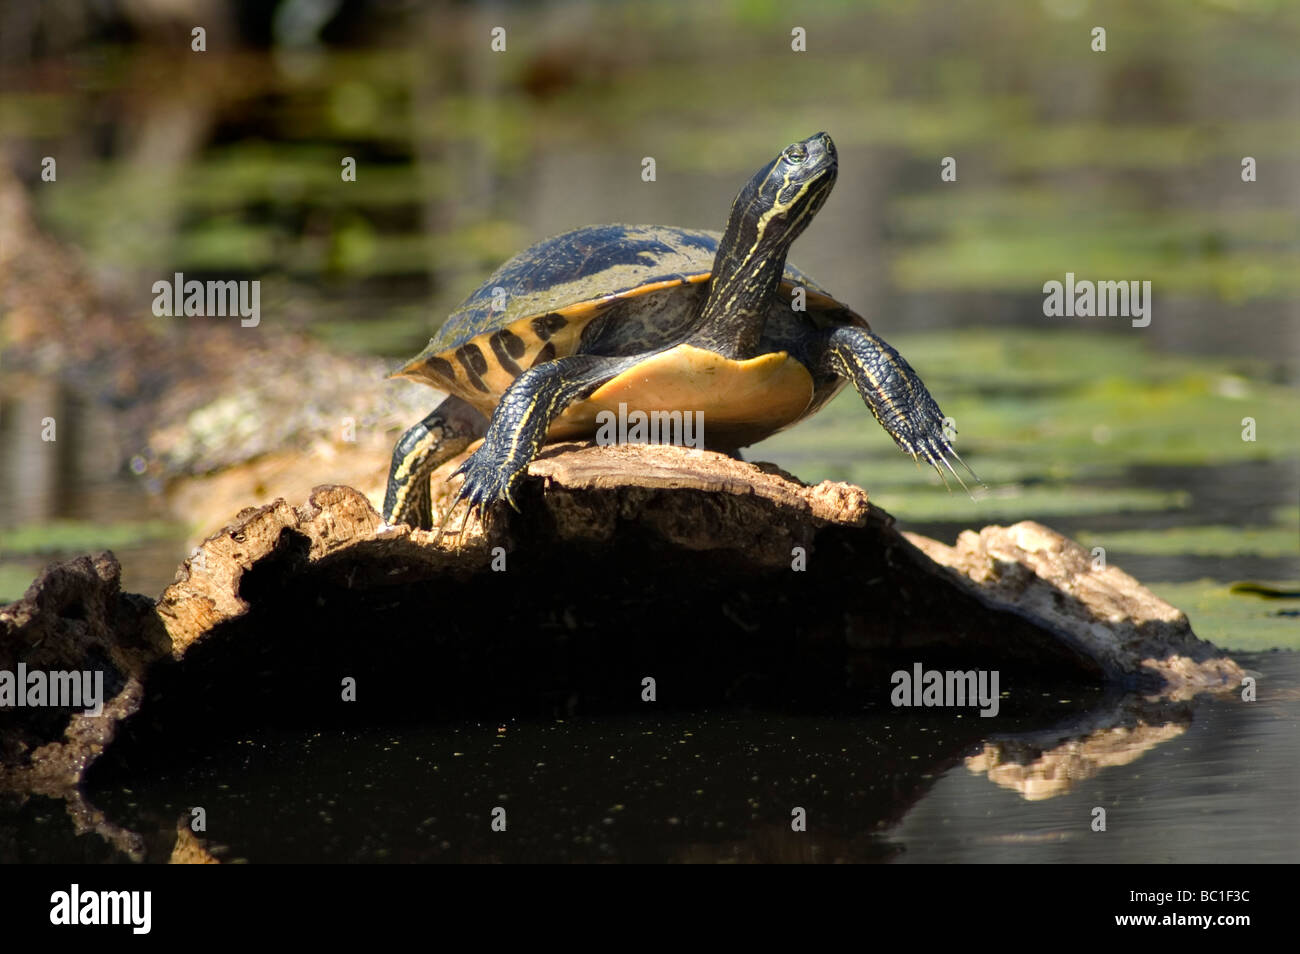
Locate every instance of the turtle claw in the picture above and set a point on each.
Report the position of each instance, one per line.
(482, 486)
(938, 450)
(896, 397)
(442, 524)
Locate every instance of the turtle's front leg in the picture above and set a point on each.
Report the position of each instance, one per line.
(894, 392)
(523, 419)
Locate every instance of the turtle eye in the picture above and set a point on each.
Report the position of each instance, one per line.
(796, 153)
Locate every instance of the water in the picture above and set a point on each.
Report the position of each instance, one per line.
(720, 785)
(1224, 790)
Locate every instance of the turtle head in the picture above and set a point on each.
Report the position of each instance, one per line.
(768, 214)
(777, 204)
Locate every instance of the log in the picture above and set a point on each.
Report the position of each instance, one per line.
(729, 581)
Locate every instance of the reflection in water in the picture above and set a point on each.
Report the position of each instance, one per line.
(40, 439)
(63, 497)
(1055, 772)
(1224, 788)
(722, 786)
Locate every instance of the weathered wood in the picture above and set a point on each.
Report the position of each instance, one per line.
(623, 549)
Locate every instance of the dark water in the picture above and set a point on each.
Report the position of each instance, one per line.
(1212, 780)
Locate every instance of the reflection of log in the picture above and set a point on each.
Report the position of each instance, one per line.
(625, 561)
(188, 850)
(1039, 774)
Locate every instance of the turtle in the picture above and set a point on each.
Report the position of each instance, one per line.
(656, 319)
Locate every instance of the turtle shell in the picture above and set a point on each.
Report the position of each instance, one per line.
(606, 289)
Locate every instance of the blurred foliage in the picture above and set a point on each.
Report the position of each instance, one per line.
(81, 536)
(1201, 540)
(1235, 621)
(27, 549)
(15, 577)
(1118, 164)
(1050, 408)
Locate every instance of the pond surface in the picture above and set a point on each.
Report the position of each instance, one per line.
(721, 786)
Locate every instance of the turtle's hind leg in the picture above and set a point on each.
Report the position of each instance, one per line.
(452, 427)
(897, 397)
